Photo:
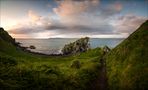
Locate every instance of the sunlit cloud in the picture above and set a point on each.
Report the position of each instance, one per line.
(74, 18)
(33, 16)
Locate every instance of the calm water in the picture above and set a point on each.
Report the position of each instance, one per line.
(54, 45)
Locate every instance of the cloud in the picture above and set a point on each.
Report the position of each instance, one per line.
(128, 23)
(81, 29)
(70, 11)
(110, 10)
(26, 30)
(80, 18)
(37, 20)
(33, 16)
(84, 16)
(35, 24)
(74, 11)
(74, 7)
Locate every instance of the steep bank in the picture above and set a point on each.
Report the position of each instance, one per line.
(127, 64)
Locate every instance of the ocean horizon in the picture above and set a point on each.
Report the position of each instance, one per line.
(54, 45)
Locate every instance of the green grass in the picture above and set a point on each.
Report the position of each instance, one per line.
(127, 64)
(22, 70)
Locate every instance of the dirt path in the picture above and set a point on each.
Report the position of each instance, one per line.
(101, 82)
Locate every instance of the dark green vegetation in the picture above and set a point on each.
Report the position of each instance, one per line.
(22, 70)
(127, 64)
(4, 36)
(80, 45)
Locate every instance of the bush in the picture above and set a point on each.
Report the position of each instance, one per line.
(76, 64)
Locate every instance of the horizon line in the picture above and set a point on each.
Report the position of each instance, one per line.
(68, 38)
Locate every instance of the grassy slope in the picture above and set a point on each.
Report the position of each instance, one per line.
(127, 64)
(19, 69)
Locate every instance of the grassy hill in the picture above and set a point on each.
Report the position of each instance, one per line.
(127, 64)
(28, 71)
(5, 36)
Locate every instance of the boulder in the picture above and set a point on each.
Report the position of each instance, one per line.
(32, 47)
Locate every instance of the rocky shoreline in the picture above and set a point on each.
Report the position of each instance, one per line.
(80, 45)
(25, 49)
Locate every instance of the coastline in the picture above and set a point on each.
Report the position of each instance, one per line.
(36, 53)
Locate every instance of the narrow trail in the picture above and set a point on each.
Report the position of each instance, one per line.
(101, 82)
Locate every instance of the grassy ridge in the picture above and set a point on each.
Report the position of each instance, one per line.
(127, 64)
(22, 70)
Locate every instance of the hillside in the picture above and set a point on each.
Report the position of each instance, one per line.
(5, 36)
(127, 64)
(28, 71)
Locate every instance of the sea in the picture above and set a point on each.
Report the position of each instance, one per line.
(54, 45)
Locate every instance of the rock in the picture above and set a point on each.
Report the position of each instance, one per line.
(32, 47)
(80, 45)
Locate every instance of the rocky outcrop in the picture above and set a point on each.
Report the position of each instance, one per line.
(80, 45)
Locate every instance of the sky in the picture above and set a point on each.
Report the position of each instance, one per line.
(72, 18)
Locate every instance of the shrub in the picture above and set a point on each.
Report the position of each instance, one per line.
(76, 64)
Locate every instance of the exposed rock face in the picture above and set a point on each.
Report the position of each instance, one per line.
(81, 45)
